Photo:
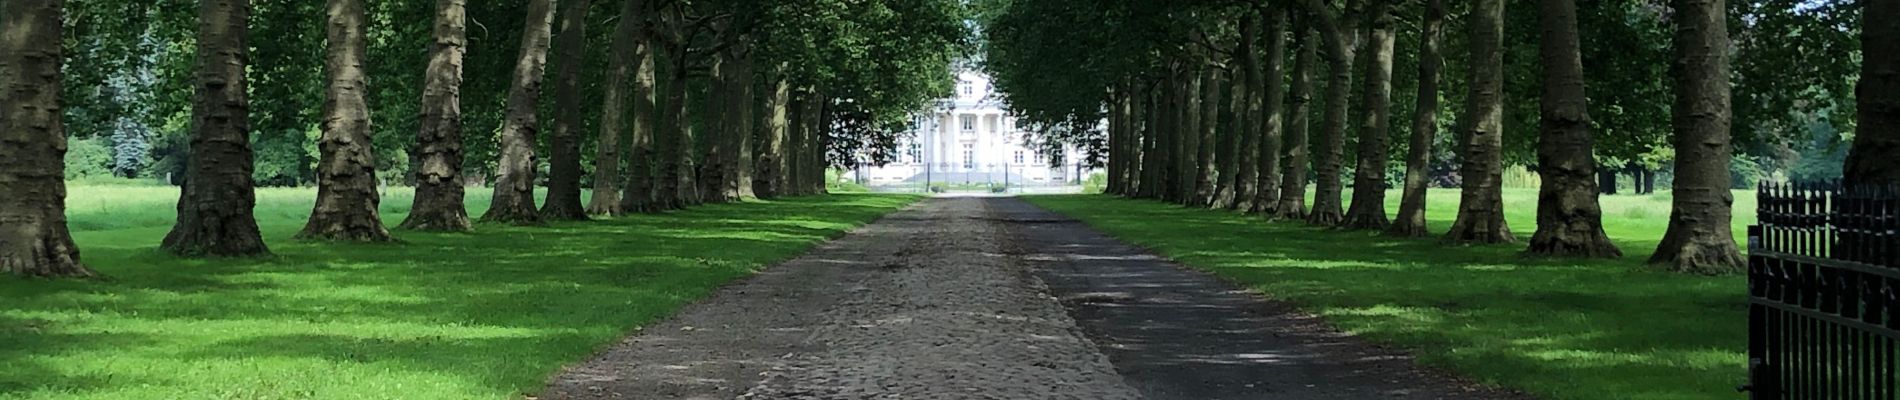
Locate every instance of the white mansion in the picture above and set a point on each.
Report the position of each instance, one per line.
(970, 138)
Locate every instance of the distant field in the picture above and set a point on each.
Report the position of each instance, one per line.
(1560, 329)
(483, 315)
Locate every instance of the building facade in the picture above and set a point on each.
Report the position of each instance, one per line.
(971, 139)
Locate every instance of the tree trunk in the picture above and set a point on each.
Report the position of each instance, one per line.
(1293, 177)
(773, 151)
(1700, 239)
(1231, 187)
(1569, 221)
(1606, 181)
(1264, 154)
(743, 106)
(613, 142)
(214, 206)
(638, 195)
(1188, 165)
(671, 134)
(1648, 178)
(1153, 154)
(1871, 160)
(1204, 146)
(1481, 208)
(1418, 156)
(717, 136)
(515, 172)
(439, 204)
(564, 145)
(347, 200)
(1368, 188)
(820, 114)
(34, 240)
(1336, 33)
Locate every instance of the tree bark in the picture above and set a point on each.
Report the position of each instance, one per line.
(744, 106)
(439, 204)
(638, 192)
(714, 164)
(564, 145)
(347, 200)
(611, 148)
(1153, 156)
(1368, 188)
(514, 183)
(770, 182)
(1410, 221)
(1188, 165)
(1481, 208)
(34, 239)
(820, 114)
(1265, 152)
(1700, 239)
(673, 138)
(1336, 32)
(1569, 220)
(214, 206)
(1293, 179)
(1230, 187)
(1204, 146)
(1871, 160)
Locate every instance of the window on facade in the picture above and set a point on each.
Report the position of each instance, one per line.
(1019, 156)
(1039, 158)
(969, 123)
(969, 155)
(916, 153)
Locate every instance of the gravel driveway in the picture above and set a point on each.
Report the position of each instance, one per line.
(947, 300)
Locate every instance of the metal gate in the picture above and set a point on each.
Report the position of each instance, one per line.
(1823, 270)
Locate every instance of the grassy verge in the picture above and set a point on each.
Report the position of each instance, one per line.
(489, 314)
(1592, 330)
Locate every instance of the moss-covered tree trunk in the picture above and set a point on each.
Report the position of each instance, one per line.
(564, 144)
(772, 162)
(439, 203)
(1871, 161)
(1368, 187)
(347, 200)
(34, 239)
(1481, 205)
(1336, 34)
(611, 148)
(515, 172)
(1569, 221)
(215, 205)
(1410, 221)
(1292, 202)
(1264, 154)
(637, 195)
(1700, 239)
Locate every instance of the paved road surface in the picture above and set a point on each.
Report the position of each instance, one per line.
(993, 298)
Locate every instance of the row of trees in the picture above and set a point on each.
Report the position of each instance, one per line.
(697, 101)
(1210, 103)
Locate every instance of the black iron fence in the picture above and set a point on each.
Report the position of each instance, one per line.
(1824, 268)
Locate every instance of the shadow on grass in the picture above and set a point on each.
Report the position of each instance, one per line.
(488, 314)
(1560, 329)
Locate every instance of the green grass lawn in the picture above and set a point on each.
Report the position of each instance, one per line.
(489, 314)
(1585, 330)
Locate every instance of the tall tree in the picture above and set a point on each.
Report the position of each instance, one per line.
(1234, 188)
(1877, 138)
(1265, 152)
(439, 204)
(1481, 205)
(564, 145)
(1700, 239)
(214, 206)
(642, 162)
(1336, 29)
(34, 240)
(1205, 165)
(773, 159)
(1410, 221)
(1569, 221)
(514, 185)
(1368, 188)
(347, 200)
(1299, 97)
(615, 135)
